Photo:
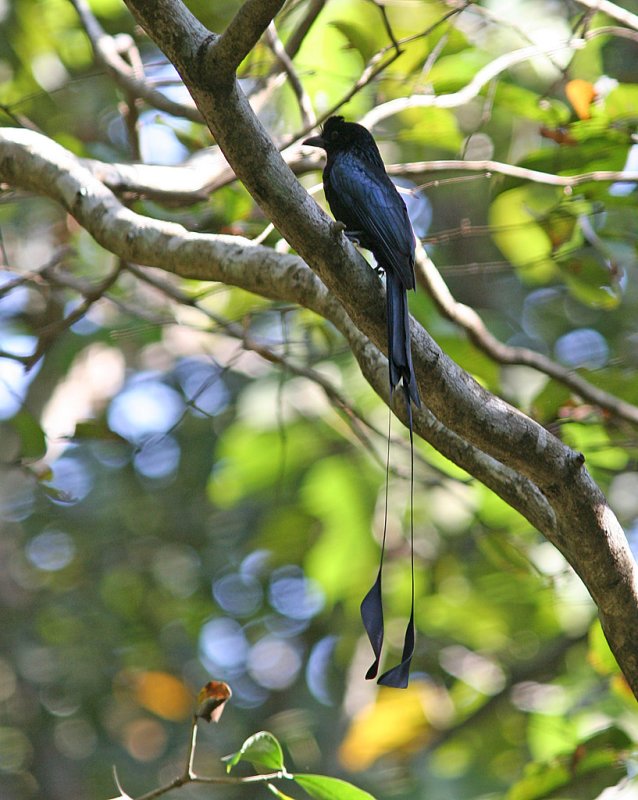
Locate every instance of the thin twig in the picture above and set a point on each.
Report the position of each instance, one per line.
(357, 423)
(308, 118)
(48, 334)
(515, 171)
(296, 38)
(386, 24)
(471, 89)
(107, 53)
(613, 11)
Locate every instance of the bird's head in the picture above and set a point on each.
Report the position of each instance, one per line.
(337, 135)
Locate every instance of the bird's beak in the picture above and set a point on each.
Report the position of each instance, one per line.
(315, 141)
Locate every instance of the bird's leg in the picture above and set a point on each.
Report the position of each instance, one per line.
(354, 237)
(337, 228)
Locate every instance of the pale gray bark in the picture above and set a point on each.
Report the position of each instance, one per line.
(513, 455)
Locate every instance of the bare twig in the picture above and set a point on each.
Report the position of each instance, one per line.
(357, 422)
(378, 63)
(470, 90)
(514, 171)
(48, 335)
(612, 10)
(190, 776)
(108, 53)
(386, 24)
(308, 118)
(296, 38)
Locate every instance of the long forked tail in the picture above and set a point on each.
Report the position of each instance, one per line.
(399, 349)
(401, 371)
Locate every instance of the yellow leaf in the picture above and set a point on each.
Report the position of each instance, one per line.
(163, 694)
(398, 722)
(580, 94)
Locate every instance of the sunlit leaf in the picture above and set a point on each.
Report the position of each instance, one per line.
(580, 94)
(394, 722)
(581, 773)
(262, 750)
(599, 655)
(161, 693)
(325, 788)
(32, 439)
(514, 216)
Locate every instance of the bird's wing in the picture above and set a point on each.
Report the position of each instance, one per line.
(366, 200)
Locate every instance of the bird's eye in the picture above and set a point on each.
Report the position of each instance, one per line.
(334, 136)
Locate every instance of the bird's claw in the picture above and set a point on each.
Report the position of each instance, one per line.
(338, 228)
(353, 236)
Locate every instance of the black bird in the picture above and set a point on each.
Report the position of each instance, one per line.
(364, 199)
(362, 196)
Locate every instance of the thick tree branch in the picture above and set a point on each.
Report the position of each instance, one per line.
(208, 170)
(244, 31)
(34, 162)
(515, 456)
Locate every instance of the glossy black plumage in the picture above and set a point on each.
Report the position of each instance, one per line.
(362, 196)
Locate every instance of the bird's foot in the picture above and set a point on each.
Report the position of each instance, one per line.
(337, 229)
(354, 237)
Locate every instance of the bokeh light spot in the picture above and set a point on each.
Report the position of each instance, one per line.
(584, 347)
(51, 551)
(223, 645)
(144, 408)
(274, 663)
(294, 595)
(239, 595)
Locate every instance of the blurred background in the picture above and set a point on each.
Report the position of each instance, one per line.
(174, 507)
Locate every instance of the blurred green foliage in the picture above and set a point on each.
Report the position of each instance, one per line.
(175, 508)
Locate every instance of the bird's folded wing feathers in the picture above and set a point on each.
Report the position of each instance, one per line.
(380, 214)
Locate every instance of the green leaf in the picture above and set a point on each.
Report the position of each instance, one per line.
(261, 749)
(31, 436)
(324, 788)
(539, 781)
(518, 234)
(96, 429)
(600, 656)
(581, 774)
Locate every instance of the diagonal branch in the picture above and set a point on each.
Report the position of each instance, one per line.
(612, 10)
(471, 89)
(295, 40)
(515, 171)
(33, 162)
(470, 321)
(308, 118)
(538, 475)
(242, 34)
(107, 53)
